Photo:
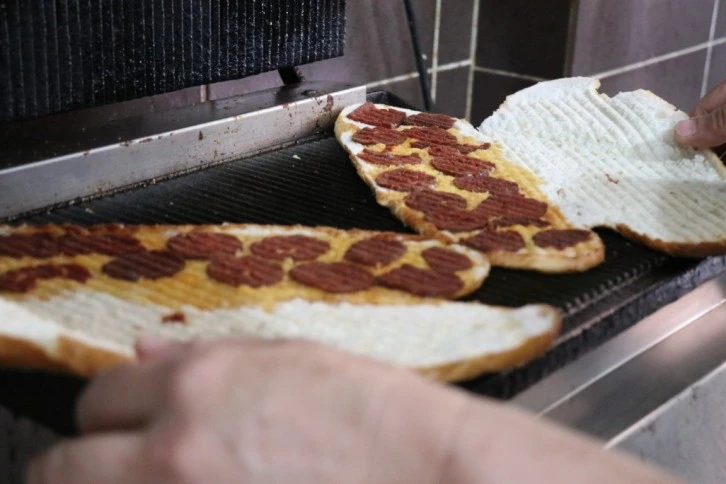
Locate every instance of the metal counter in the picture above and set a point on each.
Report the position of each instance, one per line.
(656, 390)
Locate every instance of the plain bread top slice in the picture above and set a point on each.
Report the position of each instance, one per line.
(614, 162)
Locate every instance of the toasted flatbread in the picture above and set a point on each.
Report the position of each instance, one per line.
(443, 178)
(77, 299)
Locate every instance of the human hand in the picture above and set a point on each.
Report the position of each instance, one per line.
(706, 127)
(255, 412)
(265, 412)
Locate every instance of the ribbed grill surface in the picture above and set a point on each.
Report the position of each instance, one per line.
(314, 183)
(61, 55)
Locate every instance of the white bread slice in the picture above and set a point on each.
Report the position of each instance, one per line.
(615, 163)
(85, 331)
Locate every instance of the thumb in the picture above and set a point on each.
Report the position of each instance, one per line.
(705, 131)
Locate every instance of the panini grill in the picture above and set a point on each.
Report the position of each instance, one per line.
(269, 157)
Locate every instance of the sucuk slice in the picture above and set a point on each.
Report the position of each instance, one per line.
(458, 220)
(368, 113)
(486, 184)
(81, 242)
(25, 278)
(446, 260)
(202, 245)
(106, 244)
(389, 159)
(448, 149)
(296, 247)
(460, 165)
(376, 251)
(403, 180)
(39, 246)
(429, 120)
(422, 282)
(155, 264)
(333, 277)
(374, 136)
(561, 239)
(428, 200)
(510, 221)
(447, 211)
(506, 205)
(492, 240)
(432, 136)
(251, 270)
(467, 149)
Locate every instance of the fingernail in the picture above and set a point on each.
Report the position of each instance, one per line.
(686, 128)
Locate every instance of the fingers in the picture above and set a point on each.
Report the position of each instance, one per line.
(715, 98)
(129, 397)
(108, 459)
(707, 126)
(705, 131)
(124, 398)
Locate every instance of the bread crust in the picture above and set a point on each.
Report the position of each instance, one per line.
(700, 250)
(471, 368)
(71, 356)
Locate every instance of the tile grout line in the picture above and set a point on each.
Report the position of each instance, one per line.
(514, 75)
(474, 41)
(709, 50)
(435, 52)
(474, 68)
(414, 75)
(657, 59)
(672, 55)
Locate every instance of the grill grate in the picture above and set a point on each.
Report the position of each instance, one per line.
(313, 183)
